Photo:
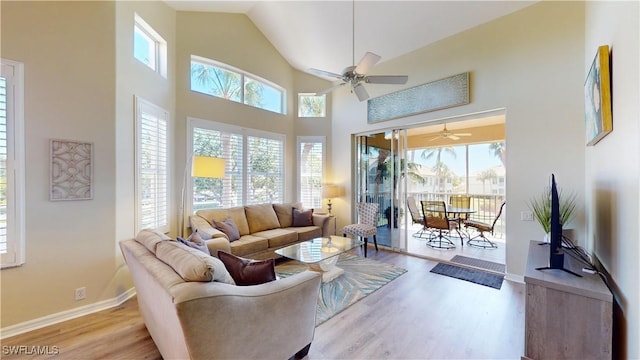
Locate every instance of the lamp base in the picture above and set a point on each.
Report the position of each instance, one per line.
(329, 206)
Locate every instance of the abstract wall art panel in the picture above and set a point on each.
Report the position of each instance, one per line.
(71, 170)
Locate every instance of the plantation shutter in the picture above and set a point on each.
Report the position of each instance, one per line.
(152, 184)
(4, 181)
(311, 156)
(265, 170)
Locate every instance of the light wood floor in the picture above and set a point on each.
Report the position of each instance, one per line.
(420, 315)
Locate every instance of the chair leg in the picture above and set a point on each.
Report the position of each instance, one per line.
(375, 242)
(366, 242)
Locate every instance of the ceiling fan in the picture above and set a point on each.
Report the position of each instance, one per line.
(355, 75)
(446, 134)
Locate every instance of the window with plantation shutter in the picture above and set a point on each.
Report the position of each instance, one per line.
(310, 170)
(152, 162)
(254, 165)
(12, 193)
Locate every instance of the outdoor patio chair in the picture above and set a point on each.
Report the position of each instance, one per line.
(416, 216)
(437, 221)
(481, 240)
(367, 224)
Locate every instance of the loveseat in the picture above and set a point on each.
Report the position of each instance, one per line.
(193, 310)
(262, 228)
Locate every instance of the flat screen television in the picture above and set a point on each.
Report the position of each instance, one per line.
(556, 251)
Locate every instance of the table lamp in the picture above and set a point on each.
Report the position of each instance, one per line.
(330, 191)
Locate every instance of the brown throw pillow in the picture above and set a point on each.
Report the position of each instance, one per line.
(302, 218)
(248, 272)
(195, 241)
(229, 227)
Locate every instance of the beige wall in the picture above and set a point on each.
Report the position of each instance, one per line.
(526, 63)
(613, 166)
(68, 54)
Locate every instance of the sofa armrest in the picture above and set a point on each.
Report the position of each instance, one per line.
(204, 228)
(281, 313)
(322, 220)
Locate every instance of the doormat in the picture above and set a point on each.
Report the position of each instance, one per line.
(474, 276)
(361, 277)
(483, 264)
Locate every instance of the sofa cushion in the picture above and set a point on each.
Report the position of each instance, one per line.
(229, 227)
(192, 264)
(306, 232)
(236, 213)
(248, 244)
(285, 213)
(278, 237)
(302, 217)
(150, 238)
(248, 272)
(195, 241)
(261, 217)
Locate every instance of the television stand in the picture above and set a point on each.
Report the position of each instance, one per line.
(566, 317)
(563, 269)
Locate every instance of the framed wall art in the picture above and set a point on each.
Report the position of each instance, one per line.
(597, 98)
(71, 170)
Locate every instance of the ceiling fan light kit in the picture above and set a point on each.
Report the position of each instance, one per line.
(355, 75)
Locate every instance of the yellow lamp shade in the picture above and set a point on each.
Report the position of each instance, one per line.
(207, 167)
(332, 191)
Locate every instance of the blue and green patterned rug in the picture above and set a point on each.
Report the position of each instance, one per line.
(361, 277)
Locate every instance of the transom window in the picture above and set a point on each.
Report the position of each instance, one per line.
(224, 81)
(149, 47)
(312, 105)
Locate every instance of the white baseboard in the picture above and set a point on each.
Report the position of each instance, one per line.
(514, 278)
(52, 319)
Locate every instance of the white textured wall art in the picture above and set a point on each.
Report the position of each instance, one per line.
(71, 170)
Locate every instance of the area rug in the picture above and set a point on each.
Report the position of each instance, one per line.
(483, 264)
(474, 276)
(361, 277)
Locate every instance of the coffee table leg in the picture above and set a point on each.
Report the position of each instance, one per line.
(327, 268)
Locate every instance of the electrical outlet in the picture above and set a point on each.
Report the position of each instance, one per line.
(526, 216)
(81, 293)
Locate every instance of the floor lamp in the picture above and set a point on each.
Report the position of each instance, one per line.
(201, 167)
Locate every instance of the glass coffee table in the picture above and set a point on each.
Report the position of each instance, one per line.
(321, 254)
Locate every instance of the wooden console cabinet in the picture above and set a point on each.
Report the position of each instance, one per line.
(566, 317)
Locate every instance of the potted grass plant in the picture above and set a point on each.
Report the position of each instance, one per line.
(541, 208)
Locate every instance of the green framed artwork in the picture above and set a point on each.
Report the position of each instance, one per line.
(597, 98)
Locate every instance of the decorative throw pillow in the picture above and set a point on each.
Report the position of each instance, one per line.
(195, 241)
(229, 227)
(302, 218)
(248, 272)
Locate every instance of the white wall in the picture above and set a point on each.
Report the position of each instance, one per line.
(529, 64)
(68, 51)
(612, 166)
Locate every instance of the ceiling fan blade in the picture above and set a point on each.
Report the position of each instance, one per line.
(326, 91)
(324, 73)
(368, 61)
(462, 134)
(360, 91)
(453, 137)
(435, 138)
(386, 79)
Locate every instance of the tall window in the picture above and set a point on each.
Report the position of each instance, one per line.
(311, 158)
(224, 81)
(12, 165)
(152, 162)
(149, 47)
(312, 105)
(254, 165)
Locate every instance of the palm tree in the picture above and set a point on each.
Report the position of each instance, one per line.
(439, 166)
(499, 150)
(220, 83)
(487, 175)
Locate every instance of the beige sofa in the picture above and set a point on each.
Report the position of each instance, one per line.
(263, 228)
(190, 319)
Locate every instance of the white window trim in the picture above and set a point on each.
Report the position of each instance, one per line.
(160, 42)
(142, 105)
(301, 139)
(213, 125)
(16, 249)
